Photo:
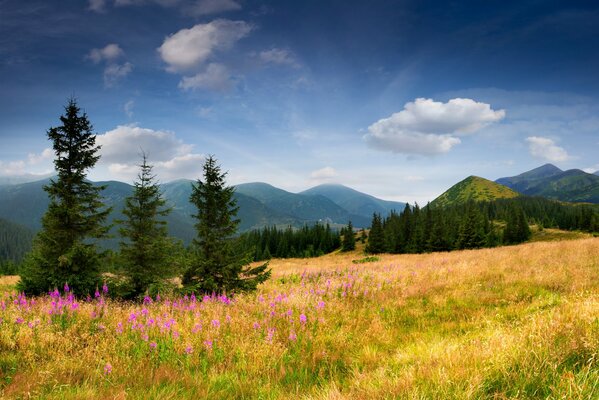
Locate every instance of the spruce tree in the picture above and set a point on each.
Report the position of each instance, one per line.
(145, 247)
(65, 249)
(349, 240)
(217, 267)
(376, 237)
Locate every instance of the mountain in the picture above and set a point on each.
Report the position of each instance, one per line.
(473, 188)
(573, 185)
(23, 178)
(15, 240)
(305, 207)
(596, 173)
(355, 202)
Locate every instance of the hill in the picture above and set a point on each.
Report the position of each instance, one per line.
(548, 181)
(15, 240)
(309, 208)
(355, 202)
(473, 188)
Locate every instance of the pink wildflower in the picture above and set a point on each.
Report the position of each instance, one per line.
(107, 369)
(303, 318)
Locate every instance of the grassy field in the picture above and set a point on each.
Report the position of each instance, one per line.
(512, 322)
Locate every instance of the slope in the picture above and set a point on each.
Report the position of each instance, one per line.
(473, 188)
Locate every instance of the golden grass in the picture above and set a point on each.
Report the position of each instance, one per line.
(510, 322)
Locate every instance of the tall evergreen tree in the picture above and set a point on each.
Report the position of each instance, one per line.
(349, 240)
(65, 250)
(217, 266)
(146, 246)
(376, 237)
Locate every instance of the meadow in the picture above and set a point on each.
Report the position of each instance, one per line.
(510, 322)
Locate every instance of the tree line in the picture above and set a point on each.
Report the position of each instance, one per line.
(65, 251)
(475, 224)
(308, 241)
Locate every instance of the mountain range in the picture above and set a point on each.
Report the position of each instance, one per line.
(260, 205)
(573, 185)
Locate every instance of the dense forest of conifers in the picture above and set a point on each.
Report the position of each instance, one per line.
(475, 224)
(308, 241)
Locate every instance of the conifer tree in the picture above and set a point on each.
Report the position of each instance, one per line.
(64, 250)
(217, 266)
(146, 246)
(363, 236)
(349, 240)
(376, 237)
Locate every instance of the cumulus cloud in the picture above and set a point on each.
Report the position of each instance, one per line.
(279, 56)
(428, 127)
(216, 77)
(97, 5)
(546, 149)
(171, 157)
(35, 164)
(325, 174)
(113, 71)
(109, 53)
(190, 48)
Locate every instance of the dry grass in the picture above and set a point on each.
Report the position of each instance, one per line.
(511, 322)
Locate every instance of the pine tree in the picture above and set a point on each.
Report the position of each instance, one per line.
(65, 250)
(146, 248)
(376, 237)
(363, 236)
(349, 240)
(217, 266)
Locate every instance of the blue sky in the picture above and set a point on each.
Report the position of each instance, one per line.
(400, 99)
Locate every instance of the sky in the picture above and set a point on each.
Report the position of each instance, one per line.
(398, 99)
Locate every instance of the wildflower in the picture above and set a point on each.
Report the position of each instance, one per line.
(271, 333)
(256, 325)
(320, 305)
(105, 288)
(292, 336)
(196, 328)
(119, 328)
(216, 323)
(208, 344)
(303, 318)
(153, 345)
(107, 369)
(19, 320)
(176, 334)
(97, 294)
(188, 349)
(147, 300)
(158, 297)
(228, 319)
(66, 287)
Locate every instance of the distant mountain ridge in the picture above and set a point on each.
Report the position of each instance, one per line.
(473, 188)
(260, 205)
(549, 181)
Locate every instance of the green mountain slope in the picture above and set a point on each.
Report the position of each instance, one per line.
(573, 185)
(473, 188)
(308, 208)
(15, 240)
(355, 202)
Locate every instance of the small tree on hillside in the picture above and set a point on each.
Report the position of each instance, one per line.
(217, 267)
(146, 246)
(349, 240)
(376, 237)
(64, 251)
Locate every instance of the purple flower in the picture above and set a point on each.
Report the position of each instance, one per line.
(320, 305)
(208, 344)
(188, 349)
(292, 336)
(107, 369)
(105, 288)
(303, 318)
(256, 325)
(97, 294)
(216, 323)
(66, 287)
(153, 345)
(147, 300)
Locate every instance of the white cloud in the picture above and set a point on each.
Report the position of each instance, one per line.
(170, 156)
(428, 127)
(35, 164)
(546, 149)
(216, 77)
(128, 108)
(206, 7)
(114, 72)
(97, 5)
(190, 48)
(279, 56)
(325, 174)
(109, 53)
(592, 170)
